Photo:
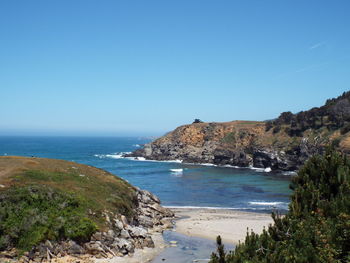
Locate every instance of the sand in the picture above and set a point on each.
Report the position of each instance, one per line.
(231, 225)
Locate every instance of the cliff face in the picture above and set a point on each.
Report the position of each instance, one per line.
(281, 144)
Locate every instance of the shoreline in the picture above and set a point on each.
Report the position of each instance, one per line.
(231, 225)
(178, 161)
(204, 223)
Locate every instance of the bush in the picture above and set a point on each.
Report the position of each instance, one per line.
(229, 138)
(32, 214)
(345, 129)
(197, 121)
(276, 129)
(317, 226)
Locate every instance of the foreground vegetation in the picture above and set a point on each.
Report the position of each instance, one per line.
(45, 199)
(30, 215)
(317, 226)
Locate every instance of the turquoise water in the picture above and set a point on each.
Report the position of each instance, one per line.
(176, 184)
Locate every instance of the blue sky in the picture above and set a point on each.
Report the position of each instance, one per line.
(144, 67)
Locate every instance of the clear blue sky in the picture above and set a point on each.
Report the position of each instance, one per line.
(144, 67)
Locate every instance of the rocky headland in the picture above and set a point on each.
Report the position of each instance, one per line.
(283, 144)
(51, 209)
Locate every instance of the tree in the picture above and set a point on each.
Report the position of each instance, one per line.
(317, 225)
(197, 121)
(220, 256)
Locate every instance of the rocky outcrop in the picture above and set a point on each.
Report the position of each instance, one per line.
(238, 143)
(284, 143)
(121, 237)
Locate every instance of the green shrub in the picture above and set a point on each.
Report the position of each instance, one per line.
(229, 138)
(32, 214)
(317, 226)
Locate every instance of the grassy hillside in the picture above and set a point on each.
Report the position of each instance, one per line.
(54, 199)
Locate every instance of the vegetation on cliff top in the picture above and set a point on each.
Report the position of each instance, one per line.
(334, 115)
(317, 226)
(44, 199)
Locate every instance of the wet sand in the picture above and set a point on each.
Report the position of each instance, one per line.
(231, 225)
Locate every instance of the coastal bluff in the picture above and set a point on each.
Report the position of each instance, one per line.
(283, 144)
(50, 209)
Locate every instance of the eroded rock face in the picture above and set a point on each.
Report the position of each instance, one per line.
(238, 143)
(122, 237)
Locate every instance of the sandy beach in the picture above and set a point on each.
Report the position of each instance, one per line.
(231, 225)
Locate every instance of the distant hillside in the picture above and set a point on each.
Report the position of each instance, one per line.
(51, 208)
(280, 144)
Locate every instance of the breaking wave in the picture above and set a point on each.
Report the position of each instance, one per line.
(279, 205)
(216, 208)
(112, 156)
(177, 172)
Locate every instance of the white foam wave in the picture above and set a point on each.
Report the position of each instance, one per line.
(207, 164)
(148, 160)
(212, 207)
(257, 169)
(136, 145)
(267, 203)
(172, 161)
(114, 156)
(267, 169)
(290, 173)
(177, 170)
(111, 156)
(231, 166)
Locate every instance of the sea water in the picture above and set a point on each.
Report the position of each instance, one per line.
(177, 184)
(187, 249)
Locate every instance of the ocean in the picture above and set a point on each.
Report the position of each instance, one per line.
(176, 184)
